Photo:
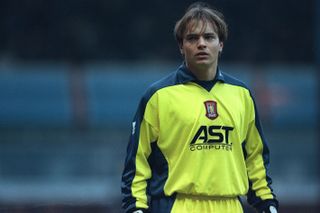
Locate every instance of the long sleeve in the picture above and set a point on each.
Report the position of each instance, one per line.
(137, 170)
(256, 151)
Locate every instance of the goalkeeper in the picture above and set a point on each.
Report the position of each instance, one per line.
(196, 143)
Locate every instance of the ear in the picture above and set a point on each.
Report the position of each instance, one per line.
(221, 46)
(181, 49)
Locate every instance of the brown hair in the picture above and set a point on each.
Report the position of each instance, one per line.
(200, 11)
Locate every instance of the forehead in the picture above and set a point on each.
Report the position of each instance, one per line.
(200, 27)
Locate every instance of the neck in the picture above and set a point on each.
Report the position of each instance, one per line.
(204, 72)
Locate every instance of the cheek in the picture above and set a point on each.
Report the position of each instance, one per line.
(188, 49)
(216, 48)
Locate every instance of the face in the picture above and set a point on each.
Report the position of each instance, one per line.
(201, 45)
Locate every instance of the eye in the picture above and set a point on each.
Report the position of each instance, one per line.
(192, 38)
(209, 37)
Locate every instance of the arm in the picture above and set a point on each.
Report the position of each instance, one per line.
(137, 170)
(256, 151)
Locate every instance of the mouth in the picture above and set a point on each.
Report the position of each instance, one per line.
(202, 54)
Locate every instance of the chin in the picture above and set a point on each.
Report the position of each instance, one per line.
(203, 63)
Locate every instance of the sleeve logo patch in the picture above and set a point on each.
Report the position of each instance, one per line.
(133, 128)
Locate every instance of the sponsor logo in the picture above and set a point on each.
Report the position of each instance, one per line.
(211, 109)
(212, 138)
(202, 147)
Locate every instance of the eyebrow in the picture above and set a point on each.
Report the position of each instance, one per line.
(198, 34)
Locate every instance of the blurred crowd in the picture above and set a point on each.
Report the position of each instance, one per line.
(82, 30)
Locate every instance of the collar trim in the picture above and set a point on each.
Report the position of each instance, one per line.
(185, 75)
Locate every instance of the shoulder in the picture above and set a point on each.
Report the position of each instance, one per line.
(229, 79)
(167, 81)
(240, 85)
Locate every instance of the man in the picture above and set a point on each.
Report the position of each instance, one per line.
(196, 142)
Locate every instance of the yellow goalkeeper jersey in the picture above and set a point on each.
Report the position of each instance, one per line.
(196, 138)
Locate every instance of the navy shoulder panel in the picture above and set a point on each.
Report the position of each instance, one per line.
(233, 81)
(167, 81)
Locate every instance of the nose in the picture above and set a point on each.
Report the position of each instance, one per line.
(201, 42)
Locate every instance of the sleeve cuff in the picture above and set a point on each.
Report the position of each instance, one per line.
(140, 210)
(264, 204)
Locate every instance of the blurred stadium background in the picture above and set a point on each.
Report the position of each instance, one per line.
(72, 72)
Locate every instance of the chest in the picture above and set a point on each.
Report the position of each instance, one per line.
(189, 105)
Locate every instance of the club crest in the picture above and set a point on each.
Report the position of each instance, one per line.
(211, 109)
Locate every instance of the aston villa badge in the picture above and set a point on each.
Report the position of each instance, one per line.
(211, 109)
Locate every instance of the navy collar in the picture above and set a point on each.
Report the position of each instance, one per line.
(185, 75)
